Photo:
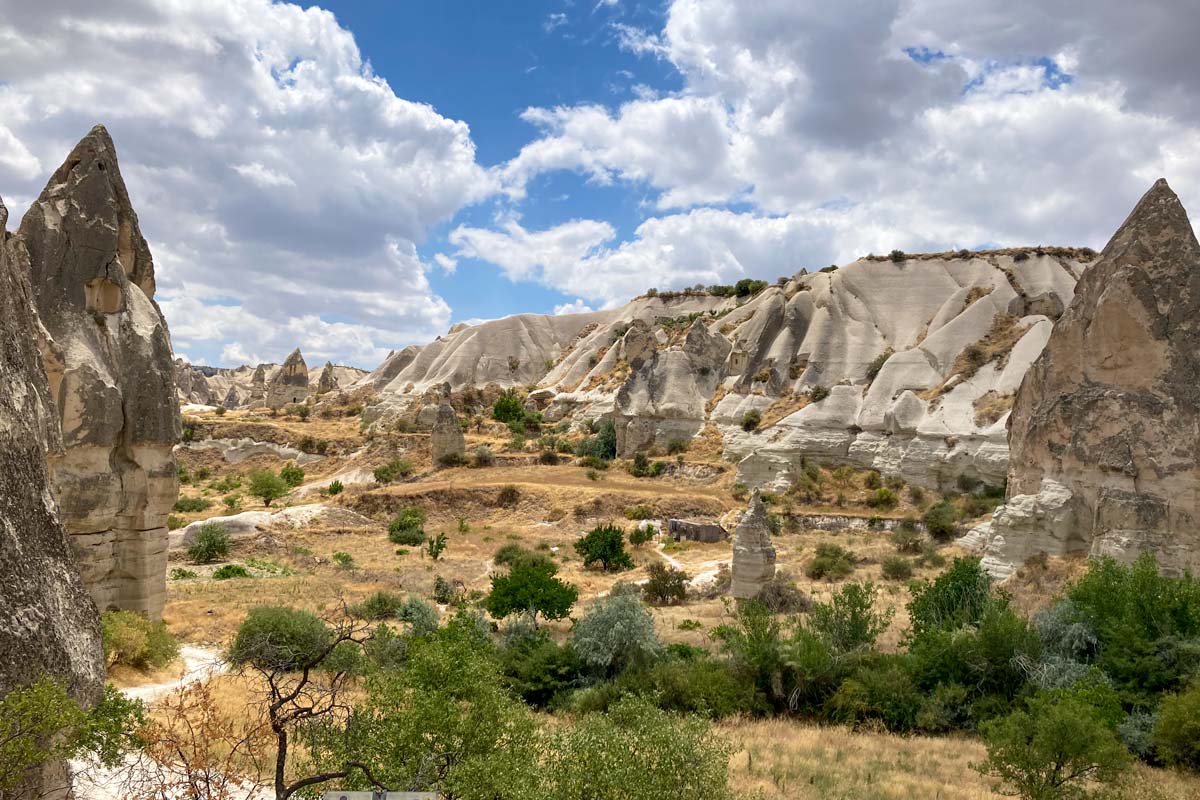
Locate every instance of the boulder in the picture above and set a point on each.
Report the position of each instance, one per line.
(289, 384)
(686, 530)
(49, 626)
(753, 553)
(1110, 410)
(328, 381)
(108, 360)
(446, 438)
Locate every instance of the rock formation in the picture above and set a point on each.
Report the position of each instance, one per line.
(920, 358)
(290, 383)
(1105, 429)
(446, 437)
(108, 360)
(328, 381)
(238, 387)
(689, 531)
(192, 385)
(753, 554)
(49, 625)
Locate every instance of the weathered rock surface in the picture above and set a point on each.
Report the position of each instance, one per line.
(328, 381)
(289, 384)
(687, 530)
(236, 451)
(962, 329)
(753, 553)
(238, 387)
(248, 524)
(108, 360)
(49, 625)
(446, 439)
(1110, 410)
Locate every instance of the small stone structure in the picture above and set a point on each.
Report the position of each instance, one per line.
(687, 530)
(446, 438)
(753, 554)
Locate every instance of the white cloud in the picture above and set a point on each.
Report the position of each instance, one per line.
(448, 264)
(575, 307)
(553, 21)
(272, 170)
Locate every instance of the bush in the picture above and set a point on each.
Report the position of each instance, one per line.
(227, 571)
(508, 407)
(181, 574)
(335, 487)
(394, 470)
(537, 669)
(408, 527)
(883, 498)
(343, 560)
(818, 393)
(666, 586)
(941, 521)
(1177, 730)
(849, 622)
(435, 546)
(1054, 750)
(642, 468)
(677, 446)
(267, 486)
(190, 505)
(641, 534)
(897, 568)
(639, 512)
(604, 545)
(751, 419)
(131, 640)
(211, 544)
(548, 457)
(897, 256)
(880, 689)
(530, 588)
(615, 633)
(232, 502)
(378, 606)
(508, 496)
(292, 475)
(602, 446)
(877, 364)
(872, 480)
(482, 456)
(175, 522)
(513, 554)
(956, 598)
(831, 561)
(695, 684)
(781, 596)
(278, 638)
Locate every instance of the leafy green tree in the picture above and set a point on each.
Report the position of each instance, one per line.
(530, 587)
(408, 527)
(267, 486)
(1177, 729)
(941, 520)
(292, 475)
(849, 621)
(539, 670)
(957, 597)
(615, 633)
(604, 545)
(1056, 750)
(280, 638)
(665, 585)
(508, 408)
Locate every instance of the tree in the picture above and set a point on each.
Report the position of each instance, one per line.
(305, 662)
(1177, 730)
(849, 621)
(604, 545)
(958, 597)
(530, 587)
(291, 474)
(666, 585)
(617, 632)
(508, 408)
(1052, 751)
(267, 486)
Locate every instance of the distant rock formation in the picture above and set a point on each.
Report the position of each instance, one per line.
(689, 531)
(240, 387)
(108, 360)
(446, 437)
(49, 626)
(1105, 429)
(328, 381)
(907, 366)
(753, 553)
(290, 383)
(192, 385)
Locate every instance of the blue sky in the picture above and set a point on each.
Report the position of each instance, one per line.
(355, 176)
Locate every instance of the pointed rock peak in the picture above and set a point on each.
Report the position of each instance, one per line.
(756, 510)
(294, 358)
(1158, 217)
(328, 365)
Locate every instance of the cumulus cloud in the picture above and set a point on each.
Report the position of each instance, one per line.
(846, 129)
(281, 183)
(575, 307)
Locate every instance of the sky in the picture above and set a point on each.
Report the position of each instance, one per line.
(356, 176)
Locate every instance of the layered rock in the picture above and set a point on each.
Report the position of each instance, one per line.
(49, 626)
(1105, 429)
(108, 360)
(239, 387)
(328, 381)
(753, 553)
(446, 437)
(289, 384)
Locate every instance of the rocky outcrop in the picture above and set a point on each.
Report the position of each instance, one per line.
(689, 531)
(446, 437)
(192, 385)
(753, 554)
(328, 381)
(1105, 428)
(49, 626)
(108, 359)
(290, 383)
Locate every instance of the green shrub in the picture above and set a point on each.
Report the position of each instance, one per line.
(227, 571)
(700, 685)
(292, 475)
(278, 638)
(818, 393)
(740, 491)
(508, 407)
(751, 419)
(665, 586)
(267, 486)
(232, 502)
(677, 446)
(211, 544)
(175, 522)
(872, 480)
(343, 560)
(538, 670)
(641, 534)
(849, 621)
(906, 539)
(394, 470)
(941, 521)
(898, 256)
(482, 456)
(131, 640)
(897, 568)
(883, 498)
(956, 598)
(191, 505)
(512, 554)
(335, 487)
(781, 595)
(830, 561)
(530, 587)
(604, 545)
(602, 446)
(615, 633)
(639, 512)
(508, 496)
(378, 606)
(877, 364)
(881, 689)
(408, 527)
(435, 546)
(641, 467)
(181, 574)
(1177, 730)
(592, 462)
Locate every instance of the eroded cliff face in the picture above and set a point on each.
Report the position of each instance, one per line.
(908, 366)
(107, 357)
(1105, 430)
(49, 625)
